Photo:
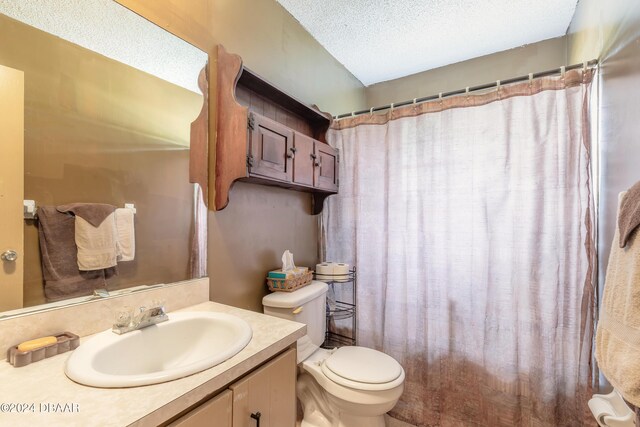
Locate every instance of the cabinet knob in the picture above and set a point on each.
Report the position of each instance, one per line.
(291, 153)
(256, 417)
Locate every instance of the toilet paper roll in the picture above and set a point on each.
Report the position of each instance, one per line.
(332, 271)
(341, 272)
(324, 271)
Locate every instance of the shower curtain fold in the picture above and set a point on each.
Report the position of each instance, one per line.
(470, 221)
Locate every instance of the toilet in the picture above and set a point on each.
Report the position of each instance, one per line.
(346, 387)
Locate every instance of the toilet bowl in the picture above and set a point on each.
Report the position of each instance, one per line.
(349, 400)
(346, 387)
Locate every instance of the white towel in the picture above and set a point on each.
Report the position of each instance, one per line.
(618, 334)
(96, 245)
(125, 230)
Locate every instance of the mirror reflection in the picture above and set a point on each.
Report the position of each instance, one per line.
(107, 100)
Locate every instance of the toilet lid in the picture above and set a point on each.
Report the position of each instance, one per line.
(363, 365)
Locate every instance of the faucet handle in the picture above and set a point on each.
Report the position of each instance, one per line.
(159, 304)
(124, 317)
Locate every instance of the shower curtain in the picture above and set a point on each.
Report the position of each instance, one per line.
(470, 221)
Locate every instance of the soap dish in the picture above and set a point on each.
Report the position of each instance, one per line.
(66, 341)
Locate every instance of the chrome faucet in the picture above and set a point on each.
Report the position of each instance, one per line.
(146, 317)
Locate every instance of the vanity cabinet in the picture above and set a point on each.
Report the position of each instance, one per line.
(266, 136)
(265, 397)
(215, 412)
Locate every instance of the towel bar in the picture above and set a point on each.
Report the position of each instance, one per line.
(31, 209)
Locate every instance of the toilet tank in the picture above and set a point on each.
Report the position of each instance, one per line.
(306, 305)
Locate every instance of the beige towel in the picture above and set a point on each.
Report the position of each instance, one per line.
(629, 214)
(125, 230)
(618, 333)
(96, 245)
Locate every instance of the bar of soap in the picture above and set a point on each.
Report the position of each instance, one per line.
(37, 343)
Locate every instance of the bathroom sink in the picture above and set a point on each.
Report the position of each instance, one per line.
(187, 343)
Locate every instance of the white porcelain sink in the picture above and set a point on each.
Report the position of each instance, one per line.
(187, 343)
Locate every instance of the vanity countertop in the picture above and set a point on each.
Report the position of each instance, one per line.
(45, 396)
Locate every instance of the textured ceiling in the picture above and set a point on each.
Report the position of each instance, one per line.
(380, 40)
(113, 31)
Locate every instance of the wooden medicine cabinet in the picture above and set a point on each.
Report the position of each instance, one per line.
(265, 136)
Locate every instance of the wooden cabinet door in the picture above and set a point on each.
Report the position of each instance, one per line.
(303, 161)
(326, 167)
(269, 391)
(216, 412)
(270, 149)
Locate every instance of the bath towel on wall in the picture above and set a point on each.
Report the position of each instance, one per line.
(629, 216)
(62, 277)
(95, 234)
(618, 333)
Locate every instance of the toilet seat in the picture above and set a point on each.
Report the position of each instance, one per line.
(350, 391)
(362, 368)
(363, 365)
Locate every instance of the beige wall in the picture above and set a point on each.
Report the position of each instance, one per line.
(541, 56)
(601, 28)
(269, 40)
(247, 238)
(610, 31)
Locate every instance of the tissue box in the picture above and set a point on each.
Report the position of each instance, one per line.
(279, 274)
(298, 279)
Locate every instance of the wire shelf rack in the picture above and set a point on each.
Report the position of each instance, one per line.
(342, 319)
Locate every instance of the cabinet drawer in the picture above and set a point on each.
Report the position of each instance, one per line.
(270, 149)
(270, 391)
(213, 413)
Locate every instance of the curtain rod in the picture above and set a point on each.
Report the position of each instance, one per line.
(560, 70)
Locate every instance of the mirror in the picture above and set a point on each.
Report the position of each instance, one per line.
(107, 100)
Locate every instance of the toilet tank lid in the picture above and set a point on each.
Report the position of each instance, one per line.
(295, 298)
